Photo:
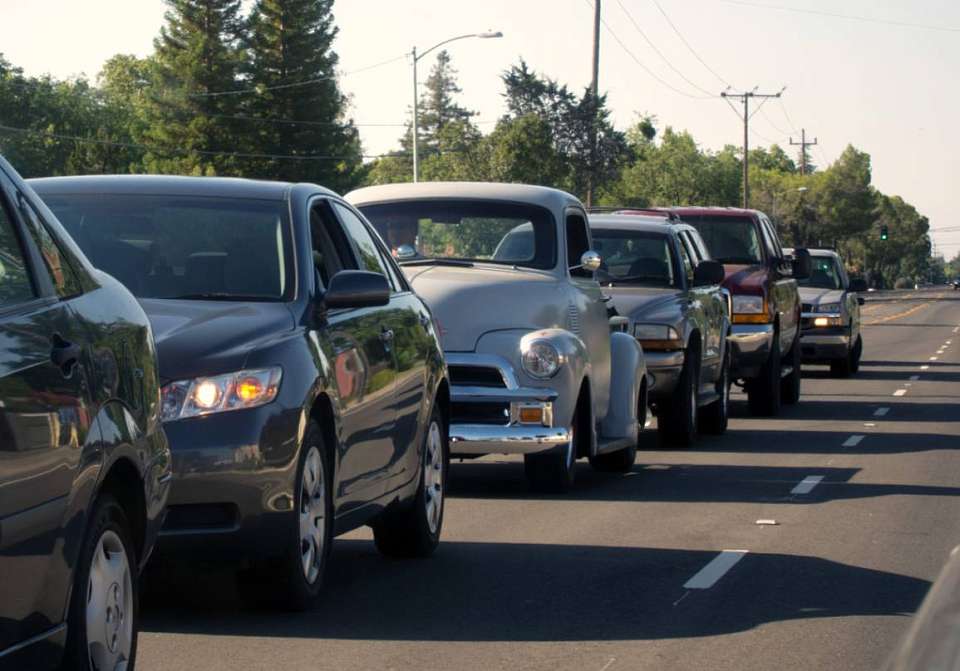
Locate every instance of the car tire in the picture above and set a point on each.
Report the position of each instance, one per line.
(103, 620)
(678, 422)
(554, 471)
(790, 385)
(414, 530)
(293, 581)
(763, 393)
(622, 461)
(856, 355)
(715, 417)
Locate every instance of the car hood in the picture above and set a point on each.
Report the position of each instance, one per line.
(744, 279)
(815, 296)
(642, 304)
(197, 338)
(470, 302)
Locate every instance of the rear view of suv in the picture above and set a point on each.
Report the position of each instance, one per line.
(762, 281)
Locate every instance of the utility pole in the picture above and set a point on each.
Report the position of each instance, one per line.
(594, 96)
(745, 99)
(803, 144)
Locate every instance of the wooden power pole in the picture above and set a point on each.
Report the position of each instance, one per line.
(803, 144)
(594, 96)
(745, 100)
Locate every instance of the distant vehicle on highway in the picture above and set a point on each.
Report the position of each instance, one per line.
(84, 462)
(304, 390)
(956, 284)
(831, 302)
(510, 272)
(762, 280)
(661, 277)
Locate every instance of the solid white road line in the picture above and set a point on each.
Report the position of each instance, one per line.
(807, 484)
(933, 358)
(900, 392)
(924, 367)
(880, 412)
(852, 441)
(708, 576)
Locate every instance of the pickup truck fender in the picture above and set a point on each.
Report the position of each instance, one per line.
(627, 376)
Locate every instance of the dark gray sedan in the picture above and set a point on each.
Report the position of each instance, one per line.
(660, 276)
(304, 391)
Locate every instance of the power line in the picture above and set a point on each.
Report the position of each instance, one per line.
(848, 17)
(692, 50)
(658, 52)
(774, 126)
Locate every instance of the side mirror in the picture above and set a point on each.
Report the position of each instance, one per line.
(590, 261)
(356, 289)
(406, 252)
(861, 300)
(858, 285)
(802, 265)
(708, 273)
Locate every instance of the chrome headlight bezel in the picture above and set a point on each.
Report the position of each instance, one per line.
(748, 304)
(832, 308)
(540, 359)
(213, 394)
(646, 331)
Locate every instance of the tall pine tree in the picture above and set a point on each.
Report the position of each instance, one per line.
(438, 108)
(197, 54)
(299, 108)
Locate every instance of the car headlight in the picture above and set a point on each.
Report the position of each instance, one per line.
(827, 322)
(747, 305)
(541, 359)
(828, 307)
(219, 393)
(657, 336)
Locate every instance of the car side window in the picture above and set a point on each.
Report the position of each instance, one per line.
(65, 280)
(16, 286)
(774, 240)
(359, 234)
(699, 245)
(329, 248)
(687, 261)
(691, 248)
(578, 242)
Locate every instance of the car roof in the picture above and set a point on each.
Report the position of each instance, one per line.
(634, 222)
(814, 252)
(166, 185)
(543, 196)
(713, 211)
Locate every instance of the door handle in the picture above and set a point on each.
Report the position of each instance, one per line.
(64, 354)
(386, 337)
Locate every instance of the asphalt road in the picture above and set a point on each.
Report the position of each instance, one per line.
(665, 568)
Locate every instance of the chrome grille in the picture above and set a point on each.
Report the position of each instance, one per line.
(476, 376)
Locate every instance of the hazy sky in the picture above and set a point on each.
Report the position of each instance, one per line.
(888, 89)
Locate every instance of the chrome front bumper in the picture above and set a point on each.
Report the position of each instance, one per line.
(750, 347)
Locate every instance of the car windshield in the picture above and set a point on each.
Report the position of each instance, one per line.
(824, 274)
(640, 258)
(729, 239)
(467, 230)
(200, 248)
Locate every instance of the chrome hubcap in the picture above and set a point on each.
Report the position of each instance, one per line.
(433, 477)
(693, 403)
(109, 610)
(571, 449)
(313, 513)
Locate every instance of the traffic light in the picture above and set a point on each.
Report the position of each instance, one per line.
(884, 233)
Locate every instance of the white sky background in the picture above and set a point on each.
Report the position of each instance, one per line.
(889, 90)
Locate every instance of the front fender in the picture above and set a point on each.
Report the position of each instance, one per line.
(628, 370)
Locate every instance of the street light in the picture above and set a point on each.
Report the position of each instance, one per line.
(489, 35)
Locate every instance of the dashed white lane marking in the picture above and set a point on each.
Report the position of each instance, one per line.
(852, 441)
(914, 378)
(924, 367)
(933, 358)
(900, 392)
(880, 412)
(807, 484)
(949, 342)
(957, 330)
(869, 425)
(708, 576)
(608, 664)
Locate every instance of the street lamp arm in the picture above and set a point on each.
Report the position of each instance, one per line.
(418, 55)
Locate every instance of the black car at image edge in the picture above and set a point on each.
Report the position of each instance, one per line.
(84, 463)
(304, 390)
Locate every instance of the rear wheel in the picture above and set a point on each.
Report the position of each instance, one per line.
(763, 393)
(714, 418)
(414, 531)
(104, 613)
(556, 470)
(677, 423)
(790, 385)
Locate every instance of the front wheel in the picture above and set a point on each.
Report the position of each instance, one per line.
(103, 619)
(714, 418)
(414, 531)
(790, 385)
(677, 423)
(556, 470)
(763, 393)
(622, 461)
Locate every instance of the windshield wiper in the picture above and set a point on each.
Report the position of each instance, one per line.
(437, 262)
(219, 296)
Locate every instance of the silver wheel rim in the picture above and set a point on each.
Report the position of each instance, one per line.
(571, 449)
(725, 390)
(313, 515)
(109, 609)
(433, 478)
(693, 402)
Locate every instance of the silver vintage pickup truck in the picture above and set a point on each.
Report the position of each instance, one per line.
(536, 369)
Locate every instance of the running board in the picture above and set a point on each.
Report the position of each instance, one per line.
(612, 444)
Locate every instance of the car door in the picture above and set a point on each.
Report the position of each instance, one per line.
(45, 413)
(702, 311)
(360, 352)
(588, 311)
(783, 287)
(406, 319)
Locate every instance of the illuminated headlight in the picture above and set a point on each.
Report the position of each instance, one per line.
(827, 307)
(541, 359)
(747, 305)
(220, 393)
(823, 322)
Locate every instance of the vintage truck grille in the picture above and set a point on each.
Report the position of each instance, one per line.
(480, 413)
(476, 376)
(807, 307)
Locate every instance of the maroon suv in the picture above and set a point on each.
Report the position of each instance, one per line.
(765, 303)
